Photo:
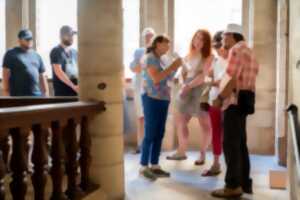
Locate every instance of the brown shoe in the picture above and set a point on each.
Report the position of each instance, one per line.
(228, 193)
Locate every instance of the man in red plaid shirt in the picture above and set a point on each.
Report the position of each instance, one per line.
(238, 100)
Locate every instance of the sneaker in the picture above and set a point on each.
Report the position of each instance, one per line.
(228, 193)
(137, 151)
(148, 174)
(177, 156)
(159, 173)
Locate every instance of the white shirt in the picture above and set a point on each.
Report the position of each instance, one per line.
(219, 68)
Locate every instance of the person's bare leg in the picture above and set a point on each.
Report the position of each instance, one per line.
(181, 121)
(183, 133)
(206, 136)
(140, 131)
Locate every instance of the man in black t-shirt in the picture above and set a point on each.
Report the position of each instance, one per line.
(23, 69)
(64, 64)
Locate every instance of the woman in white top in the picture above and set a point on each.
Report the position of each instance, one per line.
(136, 67)
(217, 72)
(192, 100)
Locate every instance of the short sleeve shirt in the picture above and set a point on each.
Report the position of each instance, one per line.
(25, 68)
(161, 90)
(68, 62)
(137, 58)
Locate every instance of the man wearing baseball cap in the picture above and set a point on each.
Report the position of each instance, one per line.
(237, 98)
(65, 65)
(24, 70)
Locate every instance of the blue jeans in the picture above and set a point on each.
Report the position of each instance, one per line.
(155, 114)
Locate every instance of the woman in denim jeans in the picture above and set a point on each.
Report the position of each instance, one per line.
(156, 98)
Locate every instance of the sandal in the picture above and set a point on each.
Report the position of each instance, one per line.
(213, 171)
(177, 157)
(199, 162)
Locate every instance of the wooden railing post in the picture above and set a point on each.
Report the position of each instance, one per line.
(71, 145)
(2, 173)
(85, 156)
(5, 147)
(40, 162)
(57, 154)
(19, 164)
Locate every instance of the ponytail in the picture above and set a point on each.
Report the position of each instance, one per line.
(157, 39)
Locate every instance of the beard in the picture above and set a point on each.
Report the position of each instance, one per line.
(67, 43)
(26, 47)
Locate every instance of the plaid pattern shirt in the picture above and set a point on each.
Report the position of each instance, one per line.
(243, 66)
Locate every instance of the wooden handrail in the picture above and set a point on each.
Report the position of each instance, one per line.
(6, 102)
(294, 147)
(24, 115)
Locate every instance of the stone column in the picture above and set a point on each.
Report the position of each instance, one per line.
(14, 22)
(282, 84)
(100, 60)
(261, 135)
(19, 14)
(33, 20)
(158, 14)
(245, 17)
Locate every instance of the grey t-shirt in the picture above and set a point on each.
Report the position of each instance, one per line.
(25, 68)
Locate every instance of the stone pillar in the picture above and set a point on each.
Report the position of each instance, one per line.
(245, 17)
(100, 60)
(14, 14)
(33, 20)
(19, 14)
(158, 14)
(261, 135)
(282, 84)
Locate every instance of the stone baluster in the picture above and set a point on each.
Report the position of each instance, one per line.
(71, 146)
(57, 155)
(19, 163)
(40, 162)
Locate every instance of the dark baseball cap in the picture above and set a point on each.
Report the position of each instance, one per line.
(67, 30)
(25, 34)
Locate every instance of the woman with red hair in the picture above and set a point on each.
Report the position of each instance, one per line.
(192, 100)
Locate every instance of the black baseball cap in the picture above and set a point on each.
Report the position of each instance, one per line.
(67, 30)
(25, 34)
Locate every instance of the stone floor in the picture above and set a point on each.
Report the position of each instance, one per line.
(186, 182)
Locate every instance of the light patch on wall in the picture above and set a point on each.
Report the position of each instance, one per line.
(213, 15)
(52, 16)
(131, 32)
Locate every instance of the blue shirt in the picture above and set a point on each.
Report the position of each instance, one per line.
(25, 69)
(138, 78)
(161, 90)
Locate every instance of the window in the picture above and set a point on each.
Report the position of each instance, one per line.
(2, 32)
(131, 32)
(52, 16)
(213, 15)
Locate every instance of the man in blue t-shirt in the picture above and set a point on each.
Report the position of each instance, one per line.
(64, 64)
(23, 69)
